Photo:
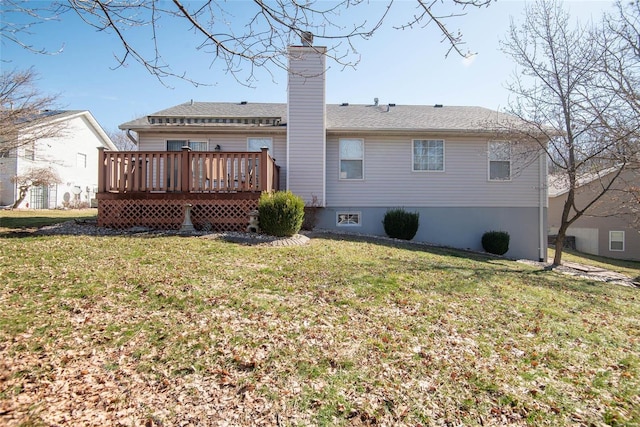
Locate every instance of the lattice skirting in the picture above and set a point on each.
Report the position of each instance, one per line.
(210, 215)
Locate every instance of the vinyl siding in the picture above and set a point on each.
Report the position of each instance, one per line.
(390, 182)
(227, 142)
(306, 124)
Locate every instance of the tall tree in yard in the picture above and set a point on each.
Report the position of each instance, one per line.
(570, 97)
(23, 117)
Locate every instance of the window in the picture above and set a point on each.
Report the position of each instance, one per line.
(256, 144)
(428, 155)
(616, 241)
(348, 218)
(499, 161)
(81, 161)
(351, 159)
(30, 152)
(177, 144)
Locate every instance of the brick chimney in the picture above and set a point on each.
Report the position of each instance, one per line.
(306, 121)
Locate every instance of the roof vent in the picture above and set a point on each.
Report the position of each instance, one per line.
(344, 104)
(437, 106)
(243, 102)
(306, 38)
(375, 101)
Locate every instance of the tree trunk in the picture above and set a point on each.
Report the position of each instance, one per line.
(23, 194)
(562, 233)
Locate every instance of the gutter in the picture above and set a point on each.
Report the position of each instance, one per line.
(542, 190)
(131, 137)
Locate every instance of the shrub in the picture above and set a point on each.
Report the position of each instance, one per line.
(280, 213)
(496, 242)
(401, 224)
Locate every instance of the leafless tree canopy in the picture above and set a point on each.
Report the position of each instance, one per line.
(33, 178)
(22, 121)
(576, 88)
(257, 37)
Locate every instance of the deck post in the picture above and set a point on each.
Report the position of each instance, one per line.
(264, 169)
(185, 173)
(101, 170)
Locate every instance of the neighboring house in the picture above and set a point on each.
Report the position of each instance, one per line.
(352, 161)
(72, 153)
(611, 227)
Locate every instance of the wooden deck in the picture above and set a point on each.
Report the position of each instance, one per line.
(152, 188)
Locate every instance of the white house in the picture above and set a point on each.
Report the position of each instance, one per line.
(72, 154)
(352, 161)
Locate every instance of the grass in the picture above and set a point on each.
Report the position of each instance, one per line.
(172, 330)
(629, 268)
(21, 219)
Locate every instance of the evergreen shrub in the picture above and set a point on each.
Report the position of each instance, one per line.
(280, 213)
(496, 242)
(401, 224)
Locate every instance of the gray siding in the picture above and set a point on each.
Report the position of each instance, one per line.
(306, 121)
(453, 227)
(227, 142)
(390, 182)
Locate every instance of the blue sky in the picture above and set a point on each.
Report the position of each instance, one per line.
(396, 66)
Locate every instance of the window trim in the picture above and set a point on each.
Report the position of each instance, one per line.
(187, 143)
(413, 156)
(611, 241)
(350, 213)
(84, 160)
(340, 159)
(489, 161)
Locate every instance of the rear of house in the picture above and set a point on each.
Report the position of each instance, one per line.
(354, 162)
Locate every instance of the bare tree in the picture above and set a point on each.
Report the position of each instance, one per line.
(256, 39)
(122, 141)
(33, 178)
(571, 104)
(24, 112)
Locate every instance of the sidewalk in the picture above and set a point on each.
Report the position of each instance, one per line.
(589, 272)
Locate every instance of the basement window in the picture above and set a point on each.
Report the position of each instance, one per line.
(348, 219)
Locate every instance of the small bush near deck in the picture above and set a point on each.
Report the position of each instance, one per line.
(401, 224)
(280, 213)
(496, 242)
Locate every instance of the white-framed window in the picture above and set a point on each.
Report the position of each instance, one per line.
(616, 241)
(256, 144)
(81, 160)
(428, 155)
(351, 158)
(177, 144)
(30, 152)
(499, 160)
(348, 219)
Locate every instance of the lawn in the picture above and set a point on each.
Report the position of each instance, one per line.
(25, 219)
(175, 330)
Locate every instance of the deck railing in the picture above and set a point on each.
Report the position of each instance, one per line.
(186, 171)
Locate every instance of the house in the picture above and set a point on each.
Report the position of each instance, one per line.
(610, 227)
(354, 162)
(69, 152)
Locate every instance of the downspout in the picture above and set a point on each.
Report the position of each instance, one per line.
(542, 185)
(131, 137)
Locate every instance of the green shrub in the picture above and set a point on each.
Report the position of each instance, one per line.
(280, 213)
(496, 242)
(401, 224)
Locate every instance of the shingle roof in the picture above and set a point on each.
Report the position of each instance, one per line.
(344, 117)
